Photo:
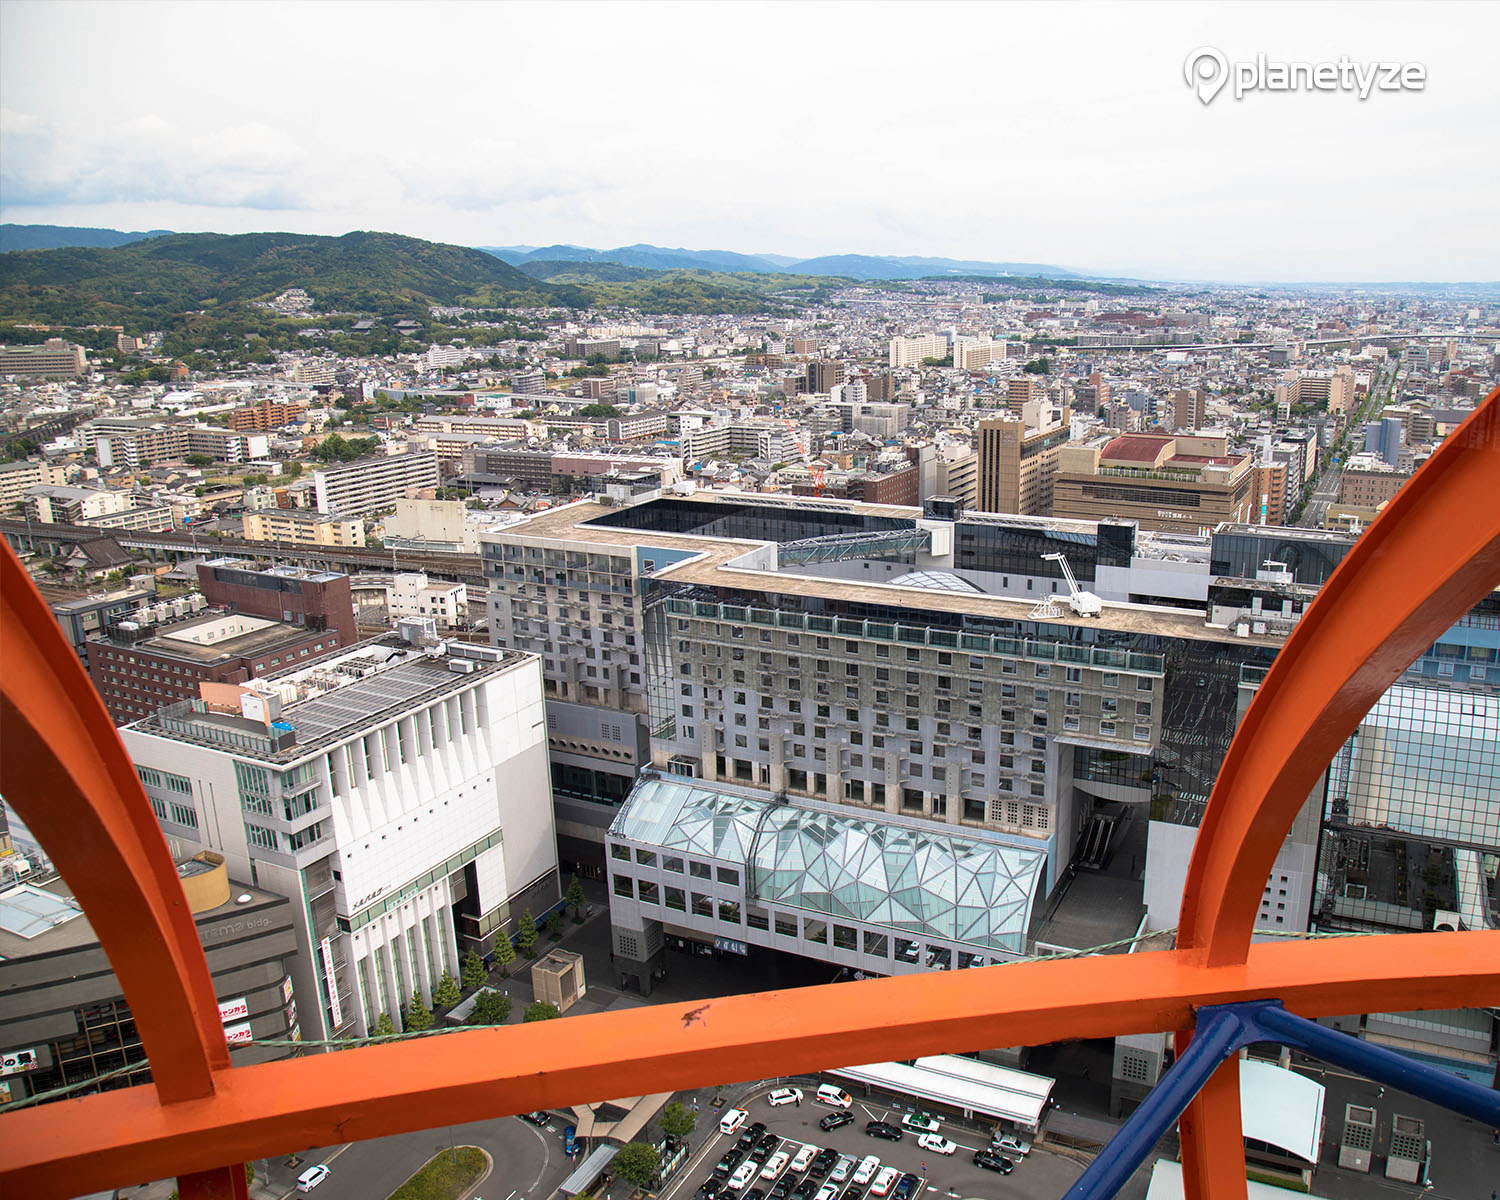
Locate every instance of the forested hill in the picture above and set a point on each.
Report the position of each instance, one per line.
(145, 284)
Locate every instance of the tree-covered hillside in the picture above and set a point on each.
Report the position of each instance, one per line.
(147, 284)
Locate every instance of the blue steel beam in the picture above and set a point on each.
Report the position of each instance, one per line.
(1225, 1029)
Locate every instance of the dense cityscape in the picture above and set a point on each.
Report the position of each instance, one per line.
(509, 633)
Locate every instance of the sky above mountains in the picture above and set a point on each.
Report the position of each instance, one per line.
(1063, 134)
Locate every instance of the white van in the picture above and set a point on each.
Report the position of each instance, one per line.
(834, 1097)
(311, 1177)
(731, 1121)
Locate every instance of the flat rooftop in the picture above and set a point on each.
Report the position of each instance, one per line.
(717, 566)
(176, 640)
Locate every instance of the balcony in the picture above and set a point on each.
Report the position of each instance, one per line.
(1416, 570)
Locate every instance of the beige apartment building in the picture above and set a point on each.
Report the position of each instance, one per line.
(303, 528)
(1168, 484)
(1367, 482)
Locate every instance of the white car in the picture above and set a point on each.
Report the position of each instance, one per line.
(311, 1177)
(866, 1170)
(785, 1096)
(804, 1157)
(884, 1181)
(774, 1164)
(827, 1192)
(919, 1123)
(841, 1169)
(937, 1143)
(742, 1176)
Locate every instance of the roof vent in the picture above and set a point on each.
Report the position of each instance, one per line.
(244, 898)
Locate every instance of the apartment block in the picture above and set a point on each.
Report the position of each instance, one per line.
(301, 528)
(910, 351)
(266, 415)
(362, 487)
(17, 478)
(53, 359)
(1368, 482)
(397, 796)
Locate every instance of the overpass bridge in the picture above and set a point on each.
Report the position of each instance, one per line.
(37, 536)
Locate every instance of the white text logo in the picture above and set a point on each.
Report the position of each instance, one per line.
(1207, 71)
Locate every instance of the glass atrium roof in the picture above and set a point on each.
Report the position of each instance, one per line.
(918, 880)
(935, 581)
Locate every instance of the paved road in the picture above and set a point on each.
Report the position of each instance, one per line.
(528, 1163)
(1039, 1174)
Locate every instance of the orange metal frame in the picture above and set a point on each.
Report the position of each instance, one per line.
(1422, 564)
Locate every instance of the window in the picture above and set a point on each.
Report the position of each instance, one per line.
(647, 858)
(729, 875)
(729, 912)
(649, 892)
(624, 886)
(670, 863)
(786, 926)
(676, 898)
(619, 852)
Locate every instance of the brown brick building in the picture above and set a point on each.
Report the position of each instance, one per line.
(316, 600)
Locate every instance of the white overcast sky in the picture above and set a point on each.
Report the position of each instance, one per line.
(1053, 133)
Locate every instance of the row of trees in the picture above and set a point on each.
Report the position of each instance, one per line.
(491, 1007)
(638, 1162)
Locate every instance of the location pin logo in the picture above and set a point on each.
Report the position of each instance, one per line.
(1206, 72)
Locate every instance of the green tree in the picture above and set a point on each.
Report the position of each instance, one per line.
(473, 970)
(418, 1015)
(446, 994)
(1039, 366)
(540, 1010)
(598, 410)
(677, 1120)
(384, 1027)
(574, 898)
(199, 460)
(490, 1008)
(505, 954)
(291, 469)
(526, 933)
(636, 1163)
(555, 925)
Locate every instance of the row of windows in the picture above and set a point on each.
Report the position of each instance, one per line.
(179, 814)
(165, 781)
(812, 929)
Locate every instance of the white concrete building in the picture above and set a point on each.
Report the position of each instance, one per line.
(411, 594)
(398, 795)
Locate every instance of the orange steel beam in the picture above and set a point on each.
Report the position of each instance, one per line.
(1425, 561)
(274, 1108)
(1213, 1143)
(66, 772)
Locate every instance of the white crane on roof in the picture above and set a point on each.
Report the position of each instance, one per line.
(1085, 604)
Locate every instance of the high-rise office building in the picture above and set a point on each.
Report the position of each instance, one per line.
(1018, 460)
(396, 793)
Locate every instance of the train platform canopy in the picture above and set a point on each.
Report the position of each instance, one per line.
(981, 1089)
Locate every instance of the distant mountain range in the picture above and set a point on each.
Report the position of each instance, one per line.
(850, 266)
(54, 237)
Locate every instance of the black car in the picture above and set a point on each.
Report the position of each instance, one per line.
(834, 1119)
(746, 1142)
(769, 1141)
(854, 1192)
(759, 1153)
(824, 1161)
(991, 1161)
(754, 1194)
(728, 1163)
(806, 1188)
(758, 1129)
(782, 1190)
(536, 1118)
(883, 1129)
(710, 1188)
(906, 1187)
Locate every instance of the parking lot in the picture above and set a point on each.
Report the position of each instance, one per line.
(789, 1128)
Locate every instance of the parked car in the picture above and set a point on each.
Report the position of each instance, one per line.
(709, 1189)
(1010, 1145)
(841, 1169)
(754, 1194)
(774, 1164)
(758, 1129)
(835, 1119)
(906, 1187)
(803, 1158)
(536, 1118)
(834, 1097)
(919, 1123)
(937, 1143)
(742, 1176)
(783, 1188)
(731, 1121)
(311, 1177)
(866, 1169)
(824, 1161)
(883, 1129)
(881, 1185)
(769, 1141)
(785, 1096)
(827, 1192)
(991, 1161)
(805, 1189)
(853, 1192)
